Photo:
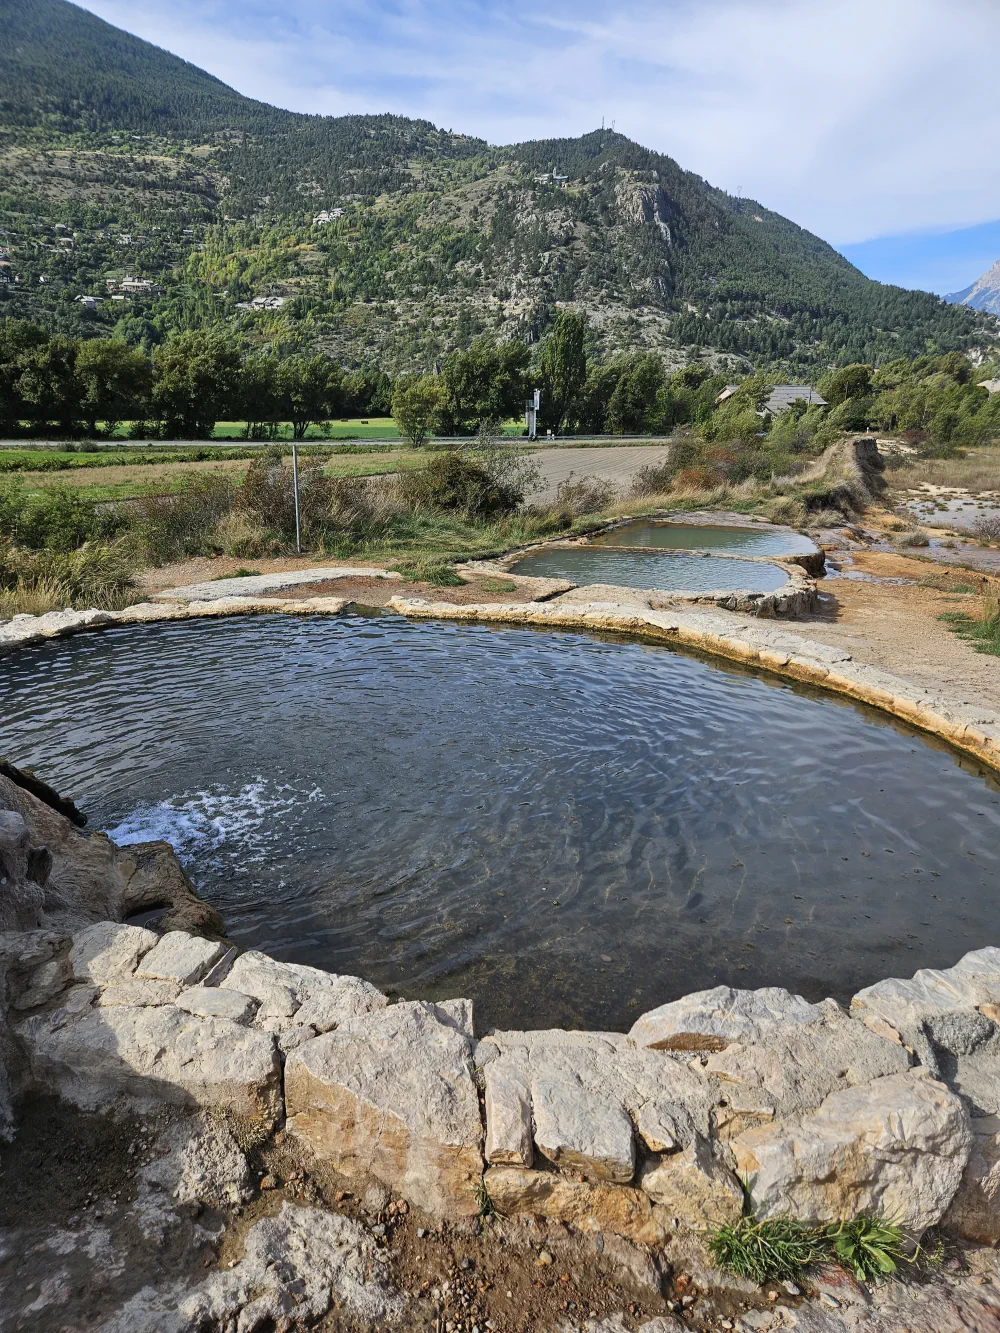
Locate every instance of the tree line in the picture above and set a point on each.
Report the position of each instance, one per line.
(180, 389)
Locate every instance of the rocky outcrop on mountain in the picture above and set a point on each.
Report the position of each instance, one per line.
(983, 294)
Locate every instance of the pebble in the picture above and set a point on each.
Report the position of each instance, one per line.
(829, 1301)
(421, 1232)
(791, 1289)
(378, 1230)
(544, 1259)
(268, 1183)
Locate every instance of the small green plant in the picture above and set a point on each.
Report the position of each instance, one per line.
(870, 1247)
(498, 585)
(437, 575)
(484, 1203)
(765, 1251)
(238, 574)
(983, 632)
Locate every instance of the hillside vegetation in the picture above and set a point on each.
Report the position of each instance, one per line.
(118, 159)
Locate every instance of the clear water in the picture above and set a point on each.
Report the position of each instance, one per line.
(702, 537)
(569, 829)
(645, 569)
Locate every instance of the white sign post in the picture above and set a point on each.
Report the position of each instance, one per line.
(295, 488)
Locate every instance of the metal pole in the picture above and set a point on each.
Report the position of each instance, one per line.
(295, 487)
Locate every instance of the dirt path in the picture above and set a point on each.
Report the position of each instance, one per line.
(897, 626)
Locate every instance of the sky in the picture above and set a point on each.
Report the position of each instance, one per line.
(873, 123)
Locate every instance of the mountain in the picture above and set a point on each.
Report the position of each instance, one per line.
(119, 159)
(983, 294)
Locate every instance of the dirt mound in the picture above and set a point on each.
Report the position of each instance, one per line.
(848, 476)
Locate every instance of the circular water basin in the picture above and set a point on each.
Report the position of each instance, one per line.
(705, 537)
(646, 569)
(566, 828)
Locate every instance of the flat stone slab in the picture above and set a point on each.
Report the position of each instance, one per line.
(181, 958)
(256, 585)
(109, 951)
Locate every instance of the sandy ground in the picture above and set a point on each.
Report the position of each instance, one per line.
(896, 625)
(619, 463)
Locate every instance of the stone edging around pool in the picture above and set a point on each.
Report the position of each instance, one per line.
(964, 724)
(890, 1107)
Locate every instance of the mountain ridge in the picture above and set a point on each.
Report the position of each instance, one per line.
(156, 169)
(983, 294)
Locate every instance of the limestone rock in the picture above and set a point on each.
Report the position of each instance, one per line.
(932, 993)
(974, 1213)
(214, 1002)
(508, 1119)
(181, 958)
(45, 983)
(90, 879)
(23, 872)
(137, 993)
(582, 1130)
(151, 1055)
(391, 1095)
(694, 1187)
(292, 1268)
(296, 1000)
(620, 1210)
(798, 1066)
(108, 951)
(895, 1147)
(710, 1020)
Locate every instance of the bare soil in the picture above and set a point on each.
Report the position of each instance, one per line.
(897, 626)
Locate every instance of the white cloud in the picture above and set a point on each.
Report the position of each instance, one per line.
(856, 118)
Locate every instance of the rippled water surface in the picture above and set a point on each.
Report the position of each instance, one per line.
(568, 829)
(702, 537)
(647, 569)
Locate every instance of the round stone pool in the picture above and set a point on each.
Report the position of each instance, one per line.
(668, 572)
(717, 539)
(567, 828)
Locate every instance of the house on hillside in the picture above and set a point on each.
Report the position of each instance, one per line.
(134, 287)
(726, 394)
(326, 216)
(784, 395)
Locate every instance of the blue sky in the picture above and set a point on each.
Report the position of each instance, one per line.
(872, 122)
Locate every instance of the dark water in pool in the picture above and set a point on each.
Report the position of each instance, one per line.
(568, 829)
(702, 537)
(646, 569)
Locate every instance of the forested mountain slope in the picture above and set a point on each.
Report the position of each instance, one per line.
(119, 160)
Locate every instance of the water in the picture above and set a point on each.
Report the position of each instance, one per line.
(703, 537)
(645, 569)
(569, 829)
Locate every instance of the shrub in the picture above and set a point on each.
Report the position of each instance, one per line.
(986, 528)
(453, 484)
(654, 479)
(168, 527)
(587, 495)
(696, 479)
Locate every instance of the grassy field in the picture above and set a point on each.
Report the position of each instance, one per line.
(123, 481)
(977, 472)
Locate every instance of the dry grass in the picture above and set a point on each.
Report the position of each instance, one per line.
(978, 472)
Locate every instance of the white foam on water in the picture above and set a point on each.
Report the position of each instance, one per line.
(242, 827)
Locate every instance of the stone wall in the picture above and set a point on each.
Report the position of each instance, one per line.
(890, 1107)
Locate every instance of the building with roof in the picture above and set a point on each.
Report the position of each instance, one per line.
(784, 395)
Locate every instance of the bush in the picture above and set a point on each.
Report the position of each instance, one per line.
(655, 479)
(587, 495)
(986, 528)
(453, 484)
(168, 527)
(241, 536)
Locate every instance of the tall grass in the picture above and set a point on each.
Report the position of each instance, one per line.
(33, 582)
